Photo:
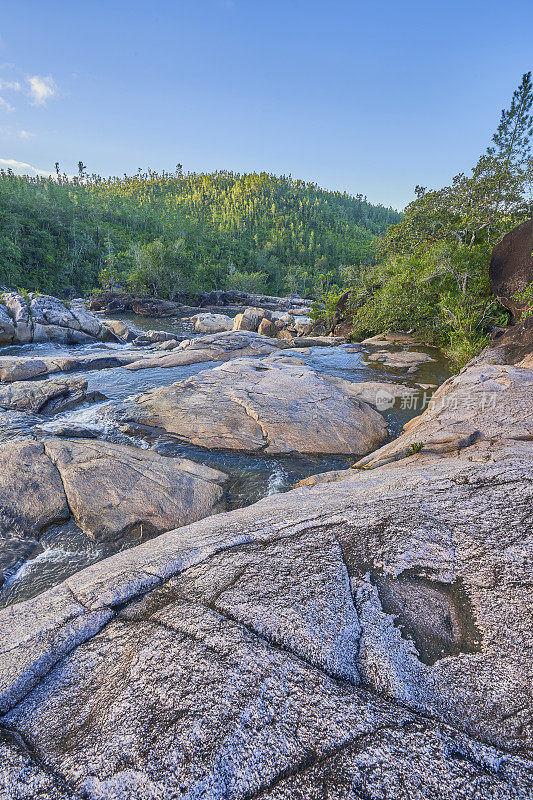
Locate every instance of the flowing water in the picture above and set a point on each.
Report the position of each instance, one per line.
(63, 549)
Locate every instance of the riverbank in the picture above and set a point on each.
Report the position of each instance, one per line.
(372, 616)
(375, 621)
(92, 392)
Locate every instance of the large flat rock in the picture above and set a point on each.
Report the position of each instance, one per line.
(264, 405)
(489, 402)
(213, 347)
(38, 397)
(110, 490)
(224, 346)
(287, 649)
(31, 498)
(113, 489)
(21, 368)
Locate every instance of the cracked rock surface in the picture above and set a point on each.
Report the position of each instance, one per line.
(110, 490)
(24, 779)
(485, 402)
(365, 636)
(269, 405)
(42, 318)
(44, 397)
(358, 639)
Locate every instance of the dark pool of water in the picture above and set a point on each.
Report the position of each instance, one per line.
(63, 549)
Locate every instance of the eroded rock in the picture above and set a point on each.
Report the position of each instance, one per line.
(45, 397)
(35, 317)
(268, 328)
(113, 489)
(485, 402)
(7, 327)
(382, 394)
(125, 333)
(266, 405)
(260, 644)
(31, 497)
(216, 347)
(110, 490)
(212, 323)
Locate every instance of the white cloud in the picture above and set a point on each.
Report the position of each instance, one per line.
(5, 106)
(41, 89)
(21, 168)
(26, 134)
(14, 86)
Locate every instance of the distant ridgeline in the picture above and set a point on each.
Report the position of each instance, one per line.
(182, 233)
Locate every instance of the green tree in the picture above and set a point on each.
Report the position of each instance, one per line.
(432, 274)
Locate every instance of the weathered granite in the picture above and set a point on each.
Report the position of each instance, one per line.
(489, 402)
(382, 394)
(113, 489)
(123, 332)
(264, 405)
(248, 320)
(110, 490)
(42, 318)
(212, 347)
(22, 368)
(170, 344)
(45, 397)
(268, 328)
(282, 650)
(22, 778)
(212, 323)
(228, 345)
(31, 497)
(7, 327)
(144, 305)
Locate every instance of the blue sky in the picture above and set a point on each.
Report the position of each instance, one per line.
(370, 97)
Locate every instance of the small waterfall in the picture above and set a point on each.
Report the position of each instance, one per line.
(277, 480)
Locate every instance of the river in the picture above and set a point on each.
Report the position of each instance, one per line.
(63, 550)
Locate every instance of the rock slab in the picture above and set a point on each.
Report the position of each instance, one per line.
(110, 490)
(262, 653)
(265, 405)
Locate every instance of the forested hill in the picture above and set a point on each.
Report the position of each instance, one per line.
(171, 233)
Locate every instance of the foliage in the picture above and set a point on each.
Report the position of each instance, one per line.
(169, 234)
(327, 307)
(252, 282)
(432, 273)
(414, 448)
(526, 296)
